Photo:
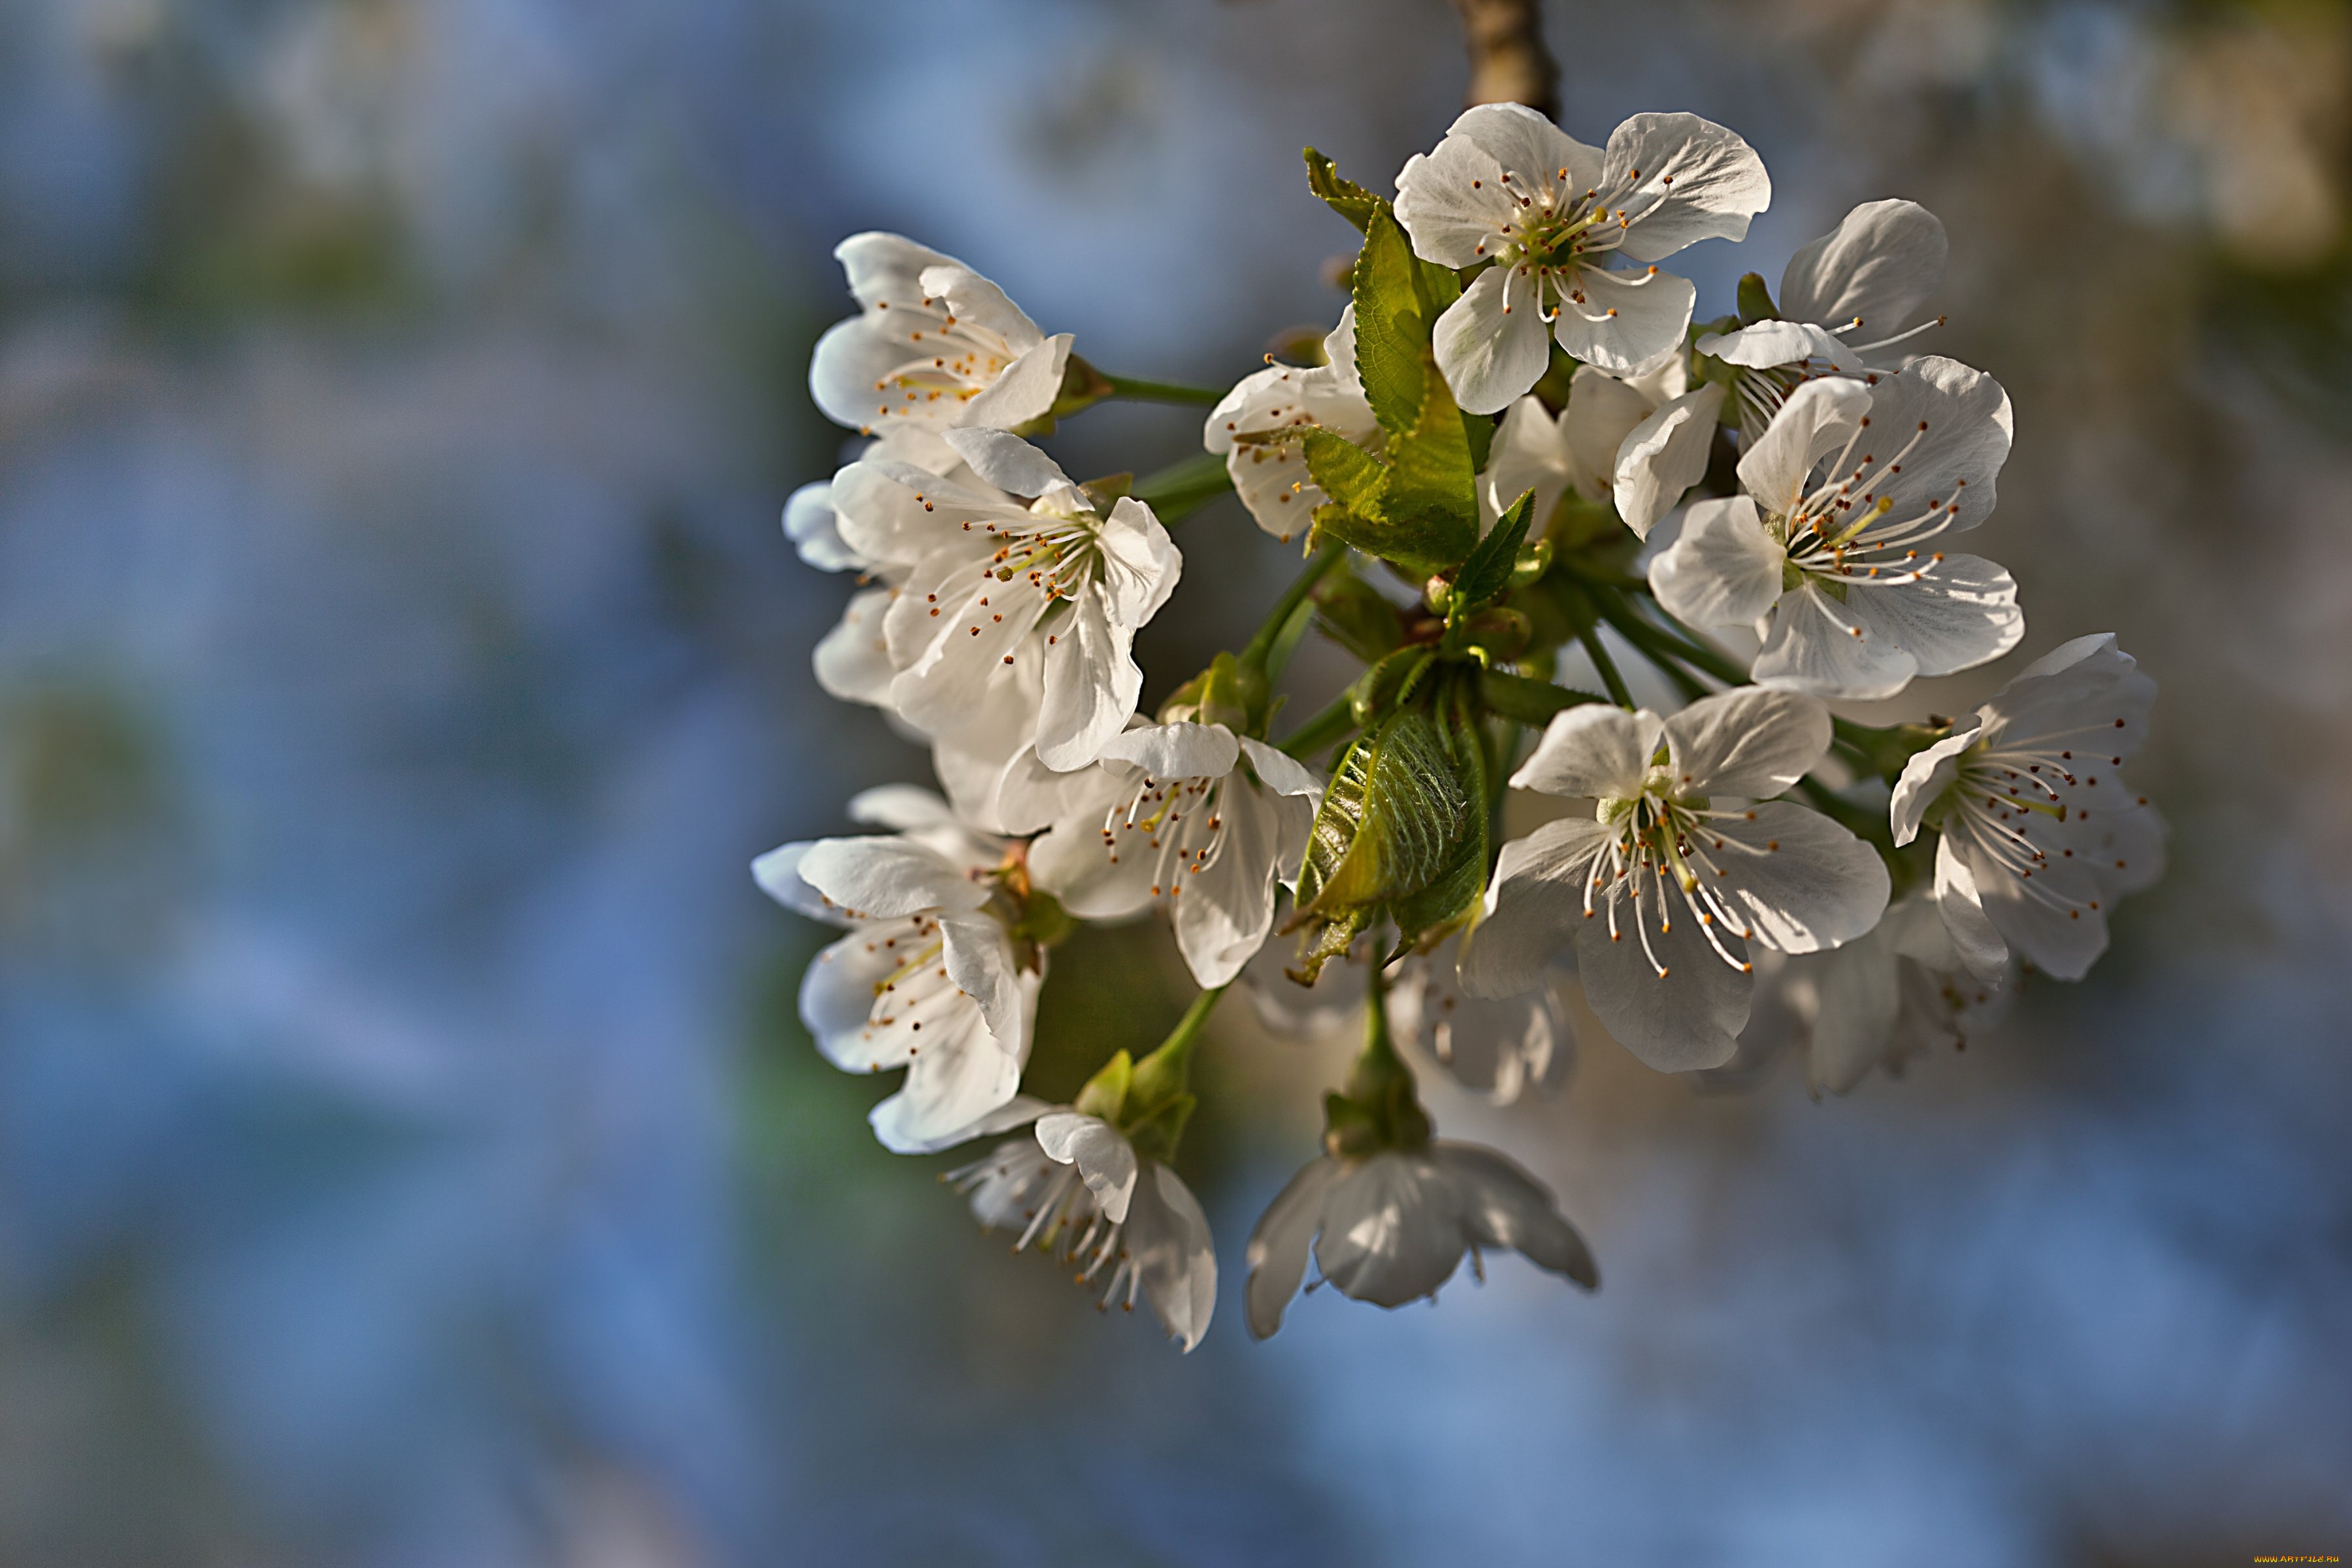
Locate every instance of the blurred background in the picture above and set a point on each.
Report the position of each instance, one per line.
(408, 1153)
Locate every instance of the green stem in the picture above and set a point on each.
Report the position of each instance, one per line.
(1269, 630)
(1590, 637)
(1137, 391)
(1170, 1068)
(1181, 488)
(1323, 730)
(1658, 644)
(1528, 701)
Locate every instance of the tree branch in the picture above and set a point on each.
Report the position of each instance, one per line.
(1509, 62)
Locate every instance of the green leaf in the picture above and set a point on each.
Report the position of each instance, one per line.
(1448, 895)
(1488, 572)
(1432, 503)
(1346, 197)
(1354, 479)
(1414, 813)
(1392, 328)
(1528, 701)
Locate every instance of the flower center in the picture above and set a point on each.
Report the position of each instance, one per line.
(946, 359)
(1663, 853)
(1175, 822)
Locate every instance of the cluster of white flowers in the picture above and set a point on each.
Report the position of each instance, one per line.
(1515, 436)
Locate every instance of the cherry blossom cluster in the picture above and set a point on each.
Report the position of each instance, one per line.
(1516, 442)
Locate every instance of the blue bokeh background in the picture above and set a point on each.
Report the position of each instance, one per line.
(407, 1154)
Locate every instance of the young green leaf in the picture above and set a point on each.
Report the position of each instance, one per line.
(1488, 572)
(1432, 503)
(1346, 197)
(1392, 330)
(1354, 479)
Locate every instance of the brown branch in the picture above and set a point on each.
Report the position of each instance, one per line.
(1509, 62)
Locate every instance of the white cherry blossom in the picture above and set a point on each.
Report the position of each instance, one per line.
(990, 577)
(1392, 1228)
(929, 978)
(1890, 997)
(1497, 1047)
(1665, 885)
(1208, 822)
(1271, 477)
(1506, 186)
(1867, 277)
(934, 343)
(2040, 834)
(1831, 553)
(1581, 450)
(1078, 1190)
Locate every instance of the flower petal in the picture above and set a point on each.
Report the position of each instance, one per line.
(852, 661)
(1959, 452)
(976, 302)
(1091, 684)
(1140, 563)
(1006, 461)
(1803, 882)
(1527, 147)
(1747, 743)
(1503, 1205)
(1959, 901)
(1879, 264)
(1491, 353)
(1026, 390)
(1687, 1019)
(1535, 905)
(1169, 1245)
(1697, 180)
(980, 962)
(1495, 1048)
(1819, 419)
(1177, 750)
(1279, 772)
(1593, 750)
(809, 523)
(1858, 997)
(1661, 457)
(1722, 569)
(882, 878)
(1768, 344)
(1926, 777)
(1105, 1159)
(1391, 1230)
(1625, 321)
(1279, 1245)
(1529, 453)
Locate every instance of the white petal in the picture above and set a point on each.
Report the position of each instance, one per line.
(1453, 200)
(2056, 693)
(1529, 453)
(778, 873)
(837, 994)
(1074, 864)
(1391, 1230)
(1490, 355)
(1747, 743)
(1626, 321)
(881, 878)
(1105, 1161)
(1169, 1245)
(1691, 1017)
(1973, 934)
(1926, 777)
(1723, 568)
(976, 302)
(852, 661)
(1820, 418)
(980, 962)
(848, 361)
(1535, 905)
(1593, 750)
(1140, 564)
(1602, 412)
(1880, 263)
(1026, 390)
(1768, 344)
(1503, 1205)
(1717, 183)
(954, 1092)
(1497, 1048)
(1662, 456)
(1224, 911)
(1959, 454)
(1279, 1245)
(1279, 772)
(1177, 750)
(1006, 461)
(886, 267)
(1854, 1021)
(1961, 614)
(942, 683)
(879, 507)
(1527, 146)
(2055, 922)
(809, 524)
(1091, 684)
(1803, 882)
